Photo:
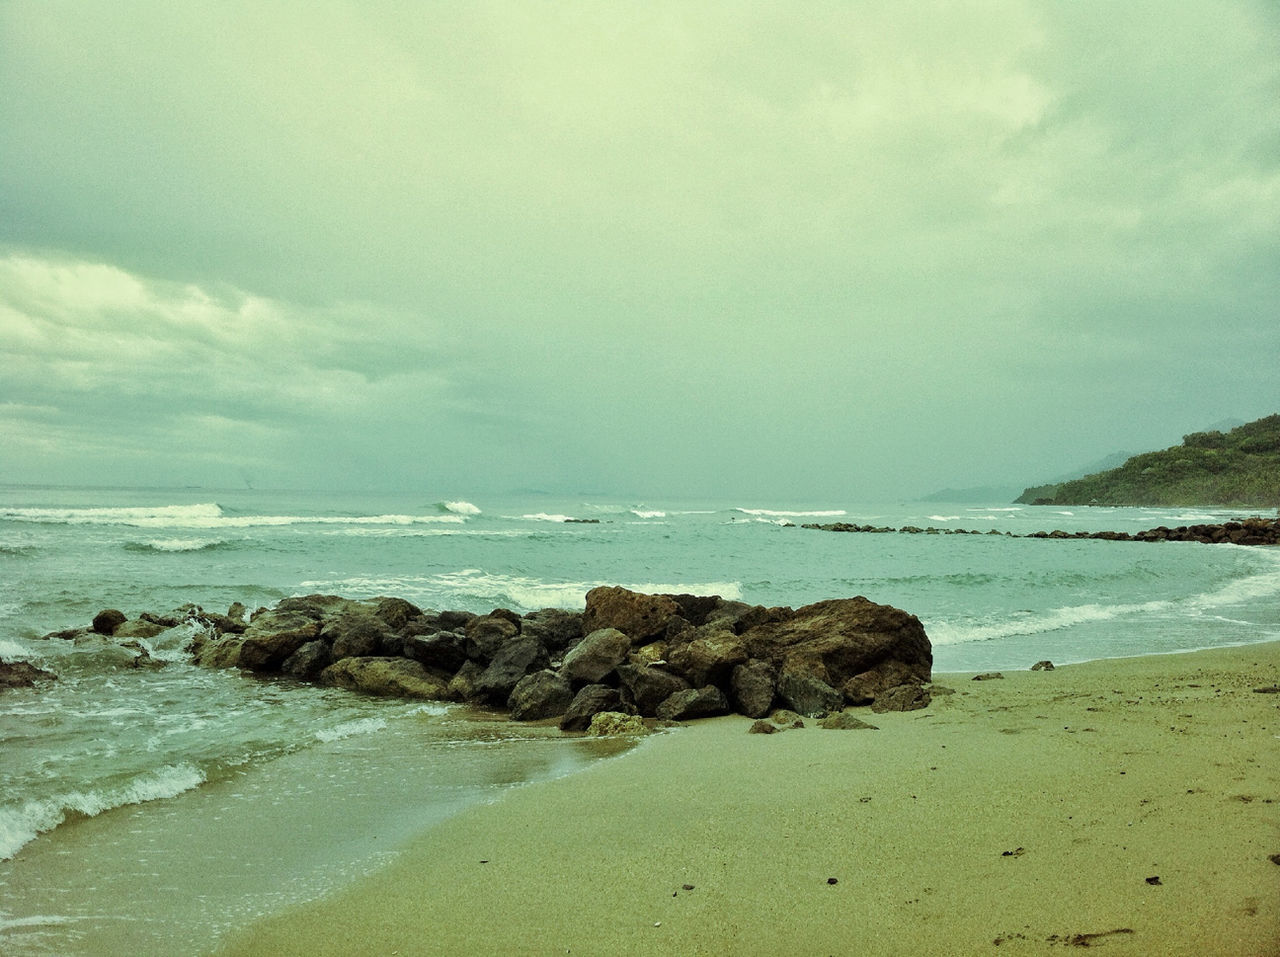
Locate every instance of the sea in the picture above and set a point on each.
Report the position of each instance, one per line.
(153, 810)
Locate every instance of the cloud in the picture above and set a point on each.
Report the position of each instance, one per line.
(636, 246)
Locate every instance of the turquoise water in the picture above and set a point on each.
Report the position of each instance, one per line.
(106, 746)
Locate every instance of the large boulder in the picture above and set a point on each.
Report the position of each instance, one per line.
(444, 650)
(388, 677)
(22, 674)
(640, 617)
(543, 694)
(841, 638)
(515, 659)
(137, 628)
(694, 703)
(274, 635)
(209, 650)
(106, 621)
(649, 686)
(308, 661)
(588, 703)
(486, 634)
(556, 628)
(395, 613)
(708, 659)
(596, 655)
(752, 686)
(356, 634)
(806, 694)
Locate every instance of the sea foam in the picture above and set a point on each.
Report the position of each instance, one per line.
(21, 824)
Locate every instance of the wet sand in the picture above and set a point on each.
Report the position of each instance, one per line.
(1131, 805)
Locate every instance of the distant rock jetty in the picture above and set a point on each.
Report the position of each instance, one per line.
(1248, 531)
(671, 657)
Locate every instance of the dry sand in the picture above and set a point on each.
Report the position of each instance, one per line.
(1129, 805)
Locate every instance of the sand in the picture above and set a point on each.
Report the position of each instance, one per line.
(1129, 805)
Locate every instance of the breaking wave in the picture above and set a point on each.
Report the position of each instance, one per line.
(21, 824)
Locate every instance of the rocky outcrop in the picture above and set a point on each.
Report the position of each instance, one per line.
(669, 657)
(22, 674)
(1246, 531)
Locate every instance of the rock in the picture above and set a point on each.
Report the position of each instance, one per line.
(308, 661)
(654, 653)
(807, 694)
(641, 618)
(22, 674)
(235, 611)
(987, 676)
(1042, 666)
(274, 635)
(909, 697)
(455, 620)
(357, 633)
(217, 652)
(596, 655)
(106, 621)
(844, 721)
(648, 687)
(835, 640)
(443, 650)
(753, 684)
(786, 719)
(613, 722)
(388, 677)
(462, 686)
(865, 688)
(515, 659)
(555, 628)
(543, 694)
(707, 659)
(395, 613)
(762, 726)
(137, 628)
(587, 703)
(486, 634)
(694, 703)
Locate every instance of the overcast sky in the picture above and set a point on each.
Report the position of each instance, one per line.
(846, 251)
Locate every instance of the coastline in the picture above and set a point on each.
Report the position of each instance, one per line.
(1132, 803)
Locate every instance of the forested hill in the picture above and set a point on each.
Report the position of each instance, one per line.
(1240, 467)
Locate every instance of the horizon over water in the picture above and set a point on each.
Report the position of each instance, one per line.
(137, 801)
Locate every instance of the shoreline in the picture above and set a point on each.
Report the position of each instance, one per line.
(1126, 802)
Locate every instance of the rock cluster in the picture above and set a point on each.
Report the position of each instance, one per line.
(671, 657)
(1248, 531)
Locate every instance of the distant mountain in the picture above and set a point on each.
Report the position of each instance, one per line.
(1239, 467)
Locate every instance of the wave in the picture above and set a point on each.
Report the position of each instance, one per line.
(207, 516)
(21, 825)
(775, 513)
(477, 590)
(178, 545)
(1248, 589)
(349, 728)
(545, 517)
(648, 513)
(458, 508)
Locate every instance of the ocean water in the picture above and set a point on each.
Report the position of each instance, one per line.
(150, 810)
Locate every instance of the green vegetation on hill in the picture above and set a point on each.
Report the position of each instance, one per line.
(1240, 467)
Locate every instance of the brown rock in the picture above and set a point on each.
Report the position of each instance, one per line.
(542, 694)
(708, 659)
(648, 687)
(641, 618)
(694, 703)
(387, 677)
(274, 635)
(596, 655)
(753, 684)
(22, 674)
(587, 703)
(838, 639)
(106, 621)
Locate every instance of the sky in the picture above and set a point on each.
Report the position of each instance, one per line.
(830, 251)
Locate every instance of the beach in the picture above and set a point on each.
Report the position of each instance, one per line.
(1127, 804)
